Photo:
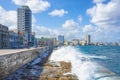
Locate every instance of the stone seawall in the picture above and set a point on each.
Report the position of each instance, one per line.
(11, 62)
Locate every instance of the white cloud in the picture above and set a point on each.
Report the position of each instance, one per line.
(19, 2)
(33, 20)
(8, 18)
(70, 32)
(105, 14)
(89, 28)
(35, 5)
(72, 29)
(98, 1)
(59, 13)
(80, 19)
(106, 17)
(43, 31)
(70, 24)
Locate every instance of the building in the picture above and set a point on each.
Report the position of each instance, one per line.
(49, 42)
(24, 21)
(36, 42)
(61, 40)
(3, 36)
(22, 39)
(13, 39)
(88, 40)
(66, 43)
(75, 42)
(32, 39)
(82, 43)
(25, 39)
(54, 40)
(42, 42)
(70, 44)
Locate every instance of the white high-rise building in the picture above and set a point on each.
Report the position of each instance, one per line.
(24, 20)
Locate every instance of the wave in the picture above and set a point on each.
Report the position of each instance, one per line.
(98, 57)
(82, 66)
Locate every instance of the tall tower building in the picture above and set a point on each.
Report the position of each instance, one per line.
(24, 20)
(88, 39)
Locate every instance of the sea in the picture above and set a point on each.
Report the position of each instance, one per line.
(84, 59)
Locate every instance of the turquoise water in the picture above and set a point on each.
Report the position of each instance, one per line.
(108, 56)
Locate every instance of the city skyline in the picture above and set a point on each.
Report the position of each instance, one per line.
(76, 19)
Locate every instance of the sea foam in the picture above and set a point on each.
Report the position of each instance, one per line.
(82, 66)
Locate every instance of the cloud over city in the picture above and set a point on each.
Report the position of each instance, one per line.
(105, 14)
(106, 18)
(35, 5)
(103, 19)
(70, 24)
(8, 18)
(59, 13)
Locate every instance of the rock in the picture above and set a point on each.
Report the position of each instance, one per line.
(46, 70)
(56, 70)
(66, 66)
(63, 78)
(51, 78)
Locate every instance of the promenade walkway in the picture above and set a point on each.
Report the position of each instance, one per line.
(9, 51)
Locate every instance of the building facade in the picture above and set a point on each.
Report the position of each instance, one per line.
(83, 43)
(13, 39)
(54, 40)
(88, 40)
(3, 36)
(24, 21)
(42, 42)
(25, 39)
(61, 40)
(75, 42)
(66, 43)
(32, 39)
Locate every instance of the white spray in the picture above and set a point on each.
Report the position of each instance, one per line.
(81, 64)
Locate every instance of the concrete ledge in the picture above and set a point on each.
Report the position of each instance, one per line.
(11, 61)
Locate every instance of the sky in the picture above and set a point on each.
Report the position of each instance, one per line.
(72, 18)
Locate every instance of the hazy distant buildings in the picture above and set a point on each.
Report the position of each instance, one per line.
(75, 42)
(61, 40)
(88, 40)
(70, 43)
(3, 36)
(54, 40)
(66, 43)
(82, 43)
(47, 42)
(24, 21)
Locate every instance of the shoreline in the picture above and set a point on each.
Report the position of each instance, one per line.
(42, 68)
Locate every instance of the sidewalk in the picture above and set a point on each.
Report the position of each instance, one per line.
(9, 51)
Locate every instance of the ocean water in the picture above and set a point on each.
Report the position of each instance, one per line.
(84, 59)
(107, 56)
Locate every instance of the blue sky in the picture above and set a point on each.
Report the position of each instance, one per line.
(71, 18)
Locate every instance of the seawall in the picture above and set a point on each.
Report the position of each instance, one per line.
(11, 61)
